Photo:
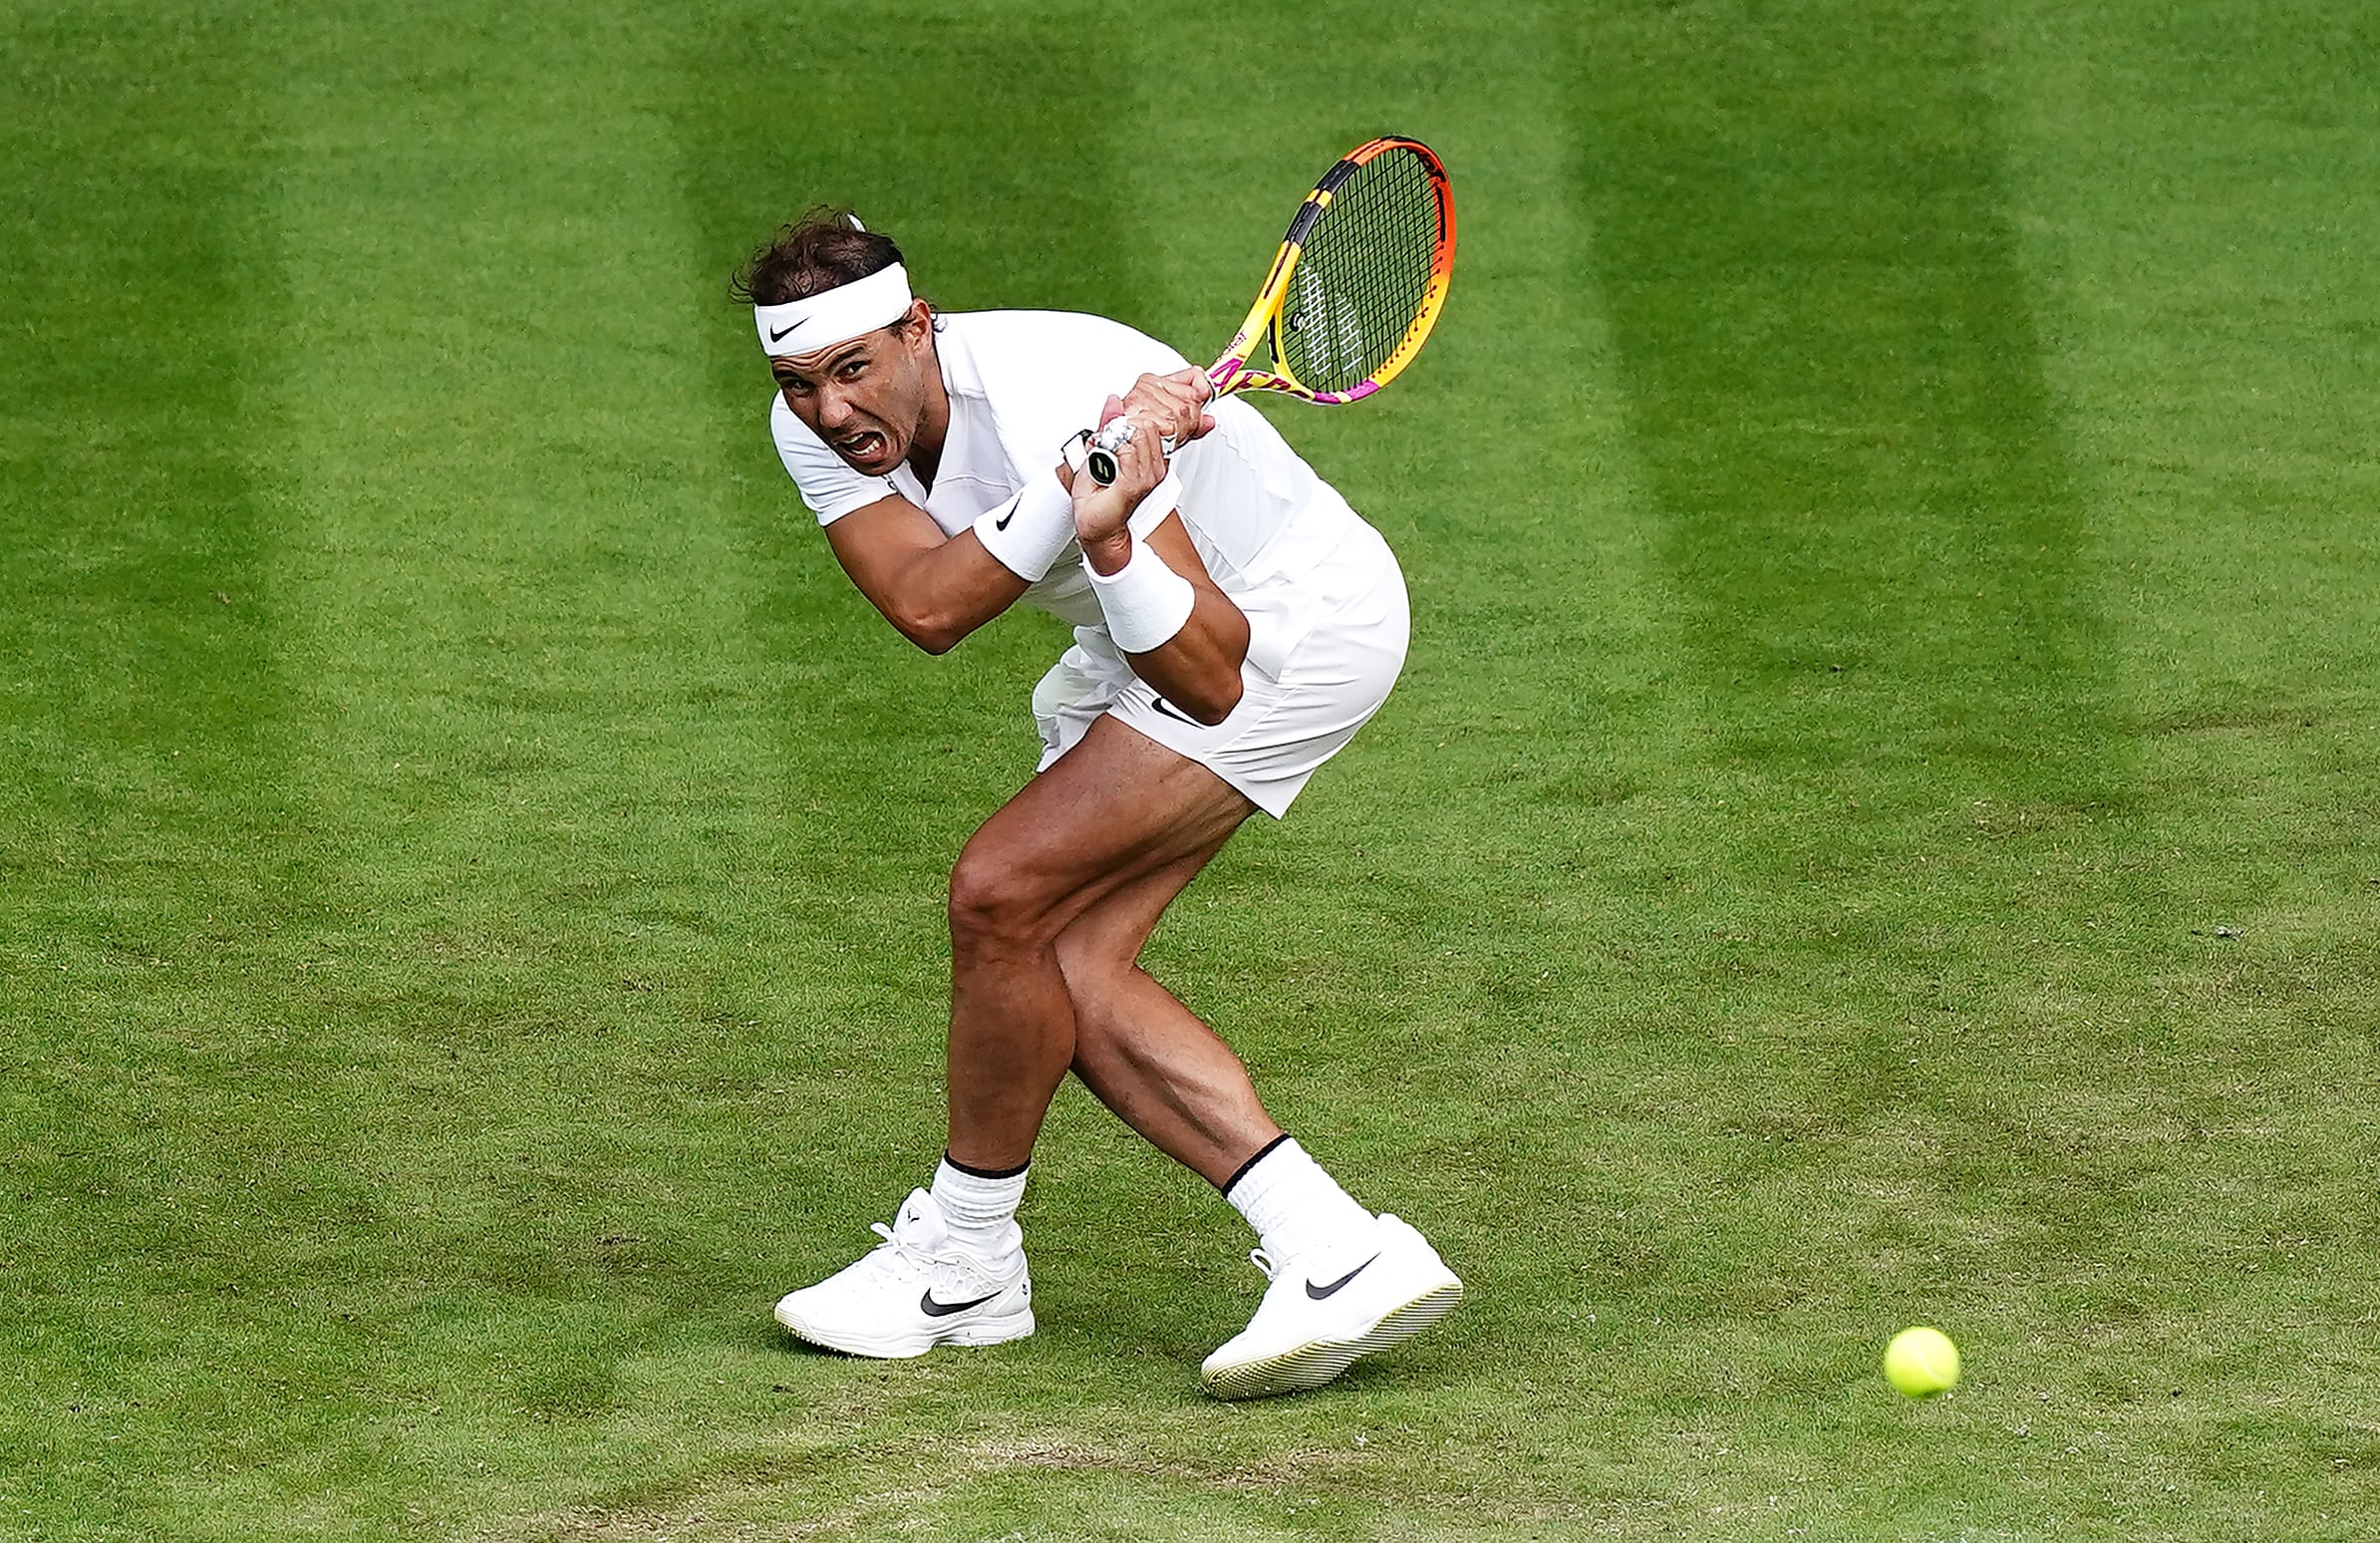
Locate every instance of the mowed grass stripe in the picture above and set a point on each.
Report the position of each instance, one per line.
(2221, 356)
(1965, 1040)
(547, 771)
(2217, 349)
(145, 726)
(138, 678)
(2219, 345)
(1802, 235)
(1836, 376)
(1423, 961)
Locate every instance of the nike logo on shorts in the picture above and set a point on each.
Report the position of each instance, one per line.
(1170, 711)
(1325, 1293)
(934, 1309)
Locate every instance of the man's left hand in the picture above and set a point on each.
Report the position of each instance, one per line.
(1172, 405)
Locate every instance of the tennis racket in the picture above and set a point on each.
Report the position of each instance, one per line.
(1355, 289)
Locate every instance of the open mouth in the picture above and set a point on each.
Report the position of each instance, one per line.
(866, 448)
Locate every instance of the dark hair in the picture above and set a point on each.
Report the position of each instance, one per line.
(821, 250)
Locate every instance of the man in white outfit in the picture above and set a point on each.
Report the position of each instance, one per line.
(1235, 622)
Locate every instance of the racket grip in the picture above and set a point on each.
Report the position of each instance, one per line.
(1100, 461)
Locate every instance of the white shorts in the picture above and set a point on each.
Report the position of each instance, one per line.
(1324, 649)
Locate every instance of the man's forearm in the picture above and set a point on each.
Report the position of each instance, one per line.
(1183, 636)
(943, 592)
(1198, 667)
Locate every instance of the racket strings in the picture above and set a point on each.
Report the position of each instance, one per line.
(1360, 286)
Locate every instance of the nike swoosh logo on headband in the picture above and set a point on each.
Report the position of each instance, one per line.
(776, 336)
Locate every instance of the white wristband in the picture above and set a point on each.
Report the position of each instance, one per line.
(1145, 602)
(1028, 532)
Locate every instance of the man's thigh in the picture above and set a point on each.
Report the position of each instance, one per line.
(1112, 810)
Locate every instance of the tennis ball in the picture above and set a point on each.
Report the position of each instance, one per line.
(1920, 1362)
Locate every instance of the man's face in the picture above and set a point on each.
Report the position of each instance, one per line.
(866, 398)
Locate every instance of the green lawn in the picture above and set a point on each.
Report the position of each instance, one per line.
(1880, 825)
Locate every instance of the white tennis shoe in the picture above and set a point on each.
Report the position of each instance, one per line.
(916, 1290)
(1324, 1310)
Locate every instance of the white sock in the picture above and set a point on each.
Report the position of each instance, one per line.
(980, 1209)
(1296, 1207)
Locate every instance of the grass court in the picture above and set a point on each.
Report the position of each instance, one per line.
(1878, 826)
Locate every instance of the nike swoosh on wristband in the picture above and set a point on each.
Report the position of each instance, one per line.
(1324, 1293)
(934, 1309)
(776, 336)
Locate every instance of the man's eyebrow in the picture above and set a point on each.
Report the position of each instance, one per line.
(832, 358)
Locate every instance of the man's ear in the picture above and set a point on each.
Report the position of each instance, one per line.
(917, 327)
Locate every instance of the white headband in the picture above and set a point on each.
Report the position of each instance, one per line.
(834, 315)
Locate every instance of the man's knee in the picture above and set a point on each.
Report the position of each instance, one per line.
(993, 910)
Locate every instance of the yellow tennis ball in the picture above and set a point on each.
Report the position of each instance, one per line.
(1921, 1362)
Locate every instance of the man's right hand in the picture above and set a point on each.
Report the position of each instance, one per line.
(1102, 514)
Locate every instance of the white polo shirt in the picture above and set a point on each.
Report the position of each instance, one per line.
(1020, 383)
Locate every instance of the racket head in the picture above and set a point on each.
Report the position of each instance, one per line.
(1358, 282)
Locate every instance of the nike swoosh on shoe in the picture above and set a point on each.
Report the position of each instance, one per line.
(1325, 1293)
(934, 1309)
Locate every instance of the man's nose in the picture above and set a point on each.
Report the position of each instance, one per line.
(834, 409)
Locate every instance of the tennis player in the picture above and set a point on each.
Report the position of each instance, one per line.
(1234, 623)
